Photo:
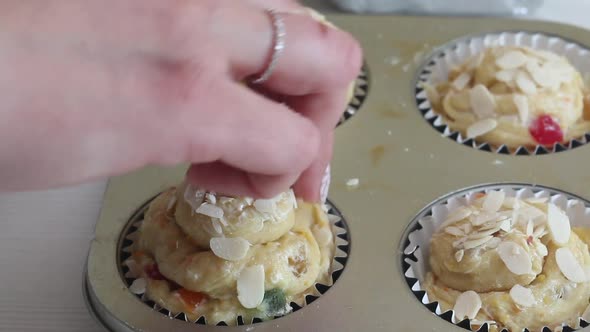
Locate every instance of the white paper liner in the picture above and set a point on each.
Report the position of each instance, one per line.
(437, 68)
(361, 90)
(430, 219)
(341, 248)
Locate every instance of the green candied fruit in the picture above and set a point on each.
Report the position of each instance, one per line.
(274, 303)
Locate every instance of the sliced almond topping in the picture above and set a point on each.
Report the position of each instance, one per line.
(323, 235)
(542, 249)
(506, 75)
(467, 305)
(211, 198)
(457, 215)
(539, 231)
(476, 242)
(493, 243)
(559, 224)
(210, 210)
(251, 286)
(483, 218)
(459, 243)
(265, 205)
(529, 228)
(522, 296)
(525, 84)
(569, 266)
(522, 105)
(456, 231)
(138, 286)
(171, 203)
(516, 259)
(506, 225)
(493, 201)
(217, 226)
(547, 55)
(481, 127)
(459, 255)
(230, 249)
(466, 228)
(483, 233)
(482, 101)
(461, 81)
(511, 60)
(293, 198)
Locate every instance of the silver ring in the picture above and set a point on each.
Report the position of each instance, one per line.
(278, 45)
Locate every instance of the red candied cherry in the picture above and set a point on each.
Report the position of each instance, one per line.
(153, 272)
(545, 130)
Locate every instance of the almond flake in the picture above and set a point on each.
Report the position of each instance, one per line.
(477, 242)
(483, 218)
(483, 233)
(466, 228)
(539, 231)
(506, 75)
(217, 226)
(461, 81)
(505, 225)
(456, 231)
(138, 286)
(211, 198)
(493, 201)
(457, 215)
(569, 266)
(353, 182)
(481, 127)
(525, 84)
(482, 102)
(512, 60)
(522, 296)
(522, 105)
(542, 249)
(459, 255)
(265, 205)
(493, 243)
(323, 235)
(459, 243)
(250, 286)
(516, 259)
(210, 210)
(559, 225)
(547, 55)
(529, 228)
(230, 249)
(467, 305)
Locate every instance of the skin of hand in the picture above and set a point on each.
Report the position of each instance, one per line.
(99, 88)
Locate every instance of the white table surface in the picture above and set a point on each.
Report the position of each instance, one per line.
(44, 236)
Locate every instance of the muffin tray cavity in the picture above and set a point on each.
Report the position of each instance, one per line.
(389, 167)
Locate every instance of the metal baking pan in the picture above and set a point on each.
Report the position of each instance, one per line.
(402, 164)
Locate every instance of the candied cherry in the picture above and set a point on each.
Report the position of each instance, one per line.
(191, 299)
(545, 130)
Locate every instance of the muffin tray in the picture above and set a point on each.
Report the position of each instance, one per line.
(402, 164)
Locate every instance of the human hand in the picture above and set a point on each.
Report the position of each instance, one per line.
(92, 89)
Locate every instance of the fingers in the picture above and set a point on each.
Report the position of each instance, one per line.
(228, 180)
(316, 57)
(262, 145)
(324, 110)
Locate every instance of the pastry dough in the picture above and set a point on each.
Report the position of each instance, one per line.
(555, 300)
(293, 259)
(517, 85)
